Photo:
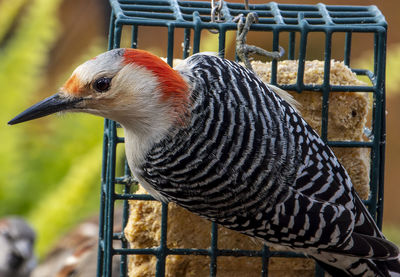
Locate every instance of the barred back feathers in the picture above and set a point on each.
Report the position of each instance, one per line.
(248, 161)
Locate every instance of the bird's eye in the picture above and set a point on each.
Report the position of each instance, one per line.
(102, 84)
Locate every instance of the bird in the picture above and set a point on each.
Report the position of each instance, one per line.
(75, 253)
(210, 136)
(17, 240)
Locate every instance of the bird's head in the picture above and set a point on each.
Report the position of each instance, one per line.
(16, 243)
(130, 86)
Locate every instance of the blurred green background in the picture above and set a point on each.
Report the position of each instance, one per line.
(50, 168)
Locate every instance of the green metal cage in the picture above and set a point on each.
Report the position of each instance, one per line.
(276, 19)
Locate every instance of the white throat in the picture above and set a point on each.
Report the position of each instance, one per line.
(136, 148)
(138, 144)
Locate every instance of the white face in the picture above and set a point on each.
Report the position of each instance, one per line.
(131, 95)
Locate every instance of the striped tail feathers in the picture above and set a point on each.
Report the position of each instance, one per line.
(365, 253)
(338, 265)
(368, 247)
(366, 230)
(365, 224)
(362, 256)
(391, 266)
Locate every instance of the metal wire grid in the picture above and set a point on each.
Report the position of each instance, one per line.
(275, 18)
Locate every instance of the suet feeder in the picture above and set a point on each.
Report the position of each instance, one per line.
(289, 25)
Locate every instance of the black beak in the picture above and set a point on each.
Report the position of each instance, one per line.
(50, 105)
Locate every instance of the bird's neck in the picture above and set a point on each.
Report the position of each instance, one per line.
(139, 142)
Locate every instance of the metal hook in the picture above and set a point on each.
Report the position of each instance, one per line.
(246, 4)
(216, 15)
(243, 50)
(216, 11)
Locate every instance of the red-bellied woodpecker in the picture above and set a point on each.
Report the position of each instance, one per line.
(213, 138)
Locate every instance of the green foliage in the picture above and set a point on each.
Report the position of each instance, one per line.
(22, 58)
(70, 202)
(49, 168)
(9, 10)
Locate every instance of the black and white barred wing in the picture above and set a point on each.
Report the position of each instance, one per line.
(322, 207)
(319, 208)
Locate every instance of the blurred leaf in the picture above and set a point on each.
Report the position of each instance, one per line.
(70, 202)
(9, 10)
(22, 58)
